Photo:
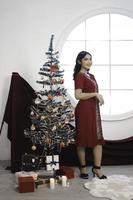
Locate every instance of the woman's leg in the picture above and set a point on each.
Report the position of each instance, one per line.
(97, 153)
(82, 160)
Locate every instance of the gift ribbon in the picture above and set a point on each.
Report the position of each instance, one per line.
(52, 162)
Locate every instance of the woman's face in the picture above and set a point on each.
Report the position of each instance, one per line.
(86, 62)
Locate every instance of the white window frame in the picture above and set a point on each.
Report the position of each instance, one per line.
(67, 31)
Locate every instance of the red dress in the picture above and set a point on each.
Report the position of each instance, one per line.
(87, 113)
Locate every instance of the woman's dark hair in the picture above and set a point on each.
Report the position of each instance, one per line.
(79, 58)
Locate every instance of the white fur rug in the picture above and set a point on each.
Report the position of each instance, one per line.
(115, 187)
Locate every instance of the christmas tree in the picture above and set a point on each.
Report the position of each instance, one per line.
(51, 112)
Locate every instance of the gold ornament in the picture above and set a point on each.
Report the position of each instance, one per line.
(33, 147)
(37, 101)
(54, 68)
(48, 140)
(43, 117)
(32, 128)
(32, 113)
(50, 97)
(62, 144)
(54, 128)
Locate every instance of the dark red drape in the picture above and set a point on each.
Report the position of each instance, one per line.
(115, 152)
(16, 115)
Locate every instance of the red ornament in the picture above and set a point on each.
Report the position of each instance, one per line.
(61, 81)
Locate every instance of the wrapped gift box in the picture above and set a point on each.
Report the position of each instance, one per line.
(26, 174)
(26, 184)
(52, 162)
(68, 171)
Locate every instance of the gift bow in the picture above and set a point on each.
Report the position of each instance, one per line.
(52, 163)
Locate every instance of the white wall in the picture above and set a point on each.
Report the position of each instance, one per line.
(26, 27)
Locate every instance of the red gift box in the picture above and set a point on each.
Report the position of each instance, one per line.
(68, 171)
(26, 184)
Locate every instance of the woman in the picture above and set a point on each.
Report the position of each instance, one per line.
(87, 115)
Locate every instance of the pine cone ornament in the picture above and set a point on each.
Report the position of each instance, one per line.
(54, 68)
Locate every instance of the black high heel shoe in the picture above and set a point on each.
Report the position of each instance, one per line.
(96, 174)
(83, 175)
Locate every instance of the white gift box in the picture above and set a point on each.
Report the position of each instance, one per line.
(52, 162)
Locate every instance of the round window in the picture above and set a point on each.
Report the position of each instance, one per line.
(109, 38)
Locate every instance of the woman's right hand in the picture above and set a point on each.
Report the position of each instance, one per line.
(100, 99)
